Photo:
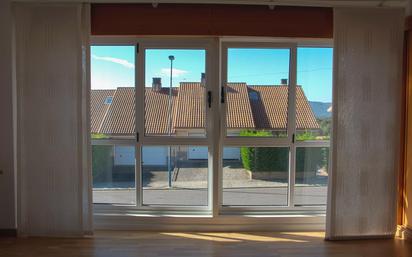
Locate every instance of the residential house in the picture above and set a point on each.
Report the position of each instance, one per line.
(250, 107)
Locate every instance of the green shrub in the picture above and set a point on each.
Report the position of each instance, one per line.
(247, 154)
(263, 158)
(308, 159)
(99, 136)
(307, 135)
(250, 133)
(325, 126)
(102, 162)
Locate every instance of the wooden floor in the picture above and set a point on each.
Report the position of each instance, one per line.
(125, 244)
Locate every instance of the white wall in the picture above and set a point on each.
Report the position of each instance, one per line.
(154, 155)
(7, 195)
(124, 155)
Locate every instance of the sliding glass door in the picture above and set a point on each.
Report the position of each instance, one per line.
(258, 88)
(312, 144)
(112, 118)
(174, 118)
(197, 125)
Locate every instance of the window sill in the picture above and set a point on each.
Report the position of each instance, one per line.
(156, 221)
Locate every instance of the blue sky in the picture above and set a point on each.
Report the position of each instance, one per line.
(114, 66)
(187, 66)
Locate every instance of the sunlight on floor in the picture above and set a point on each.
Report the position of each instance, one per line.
(254, 237)
(229, 237)
(201, 236)
(305, 234)
(293, 237)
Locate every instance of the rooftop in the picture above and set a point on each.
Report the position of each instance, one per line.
(262, 107)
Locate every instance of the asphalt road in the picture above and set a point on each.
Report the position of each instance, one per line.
(255, 196)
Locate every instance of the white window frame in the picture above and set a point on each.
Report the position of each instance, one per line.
(127, 141)
(261, 141)
(216, 133)
(289, 141)
(148, 140)
(141, 44)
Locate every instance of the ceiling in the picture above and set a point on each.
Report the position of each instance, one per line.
(327, 3)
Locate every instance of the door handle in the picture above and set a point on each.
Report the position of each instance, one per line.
(209, 98)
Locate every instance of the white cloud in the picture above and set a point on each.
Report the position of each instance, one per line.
(176, 72)
(101, 83)
(122, 62)
(108, 82)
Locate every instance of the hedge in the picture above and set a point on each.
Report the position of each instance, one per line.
(311, 158)
(265, 158)
(102, 162)
(277, 158)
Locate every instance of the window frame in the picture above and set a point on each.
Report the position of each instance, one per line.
(141, 45)
(259, 141)
(215, 141)
(147, 140)
(127, 141)
(238, 141)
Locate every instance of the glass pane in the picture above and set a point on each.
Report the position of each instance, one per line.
(112, 96)
(175, 93)
(255, 176)
(175, 175)
(311, 175)
(314, 93)
(113, 169)
(257, 92)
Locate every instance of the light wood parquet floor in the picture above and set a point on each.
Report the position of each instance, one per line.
(199, 244)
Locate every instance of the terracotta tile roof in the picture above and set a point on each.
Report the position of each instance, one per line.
(98, 108)
(239, 112)
(269, 106)
(156, 110)
(190, 107)
(120, 118)
(248, 107)
(305, 118)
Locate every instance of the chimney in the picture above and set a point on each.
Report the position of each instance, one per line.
(284, 81)
(203, 78)
(157, 84)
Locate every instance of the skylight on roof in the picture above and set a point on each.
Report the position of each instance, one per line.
(253, 96)
(108, 100)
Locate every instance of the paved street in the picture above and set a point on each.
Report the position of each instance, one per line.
(304, 195)
(189, 188)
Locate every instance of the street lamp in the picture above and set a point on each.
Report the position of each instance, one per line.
(169, 164)
(171, 58)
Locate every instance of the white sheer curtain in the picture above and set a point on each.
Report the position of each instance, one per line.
(367, 117)
(51, 49)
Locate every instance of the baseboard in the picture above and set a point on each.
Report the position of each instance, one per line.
(8, 232)
(360, 237)
(404, 232)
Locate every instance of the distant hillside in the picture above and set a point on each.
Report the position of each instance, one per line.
(321, 109)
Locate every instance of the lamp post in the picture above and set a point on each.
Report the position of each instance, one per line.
(169, 161)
